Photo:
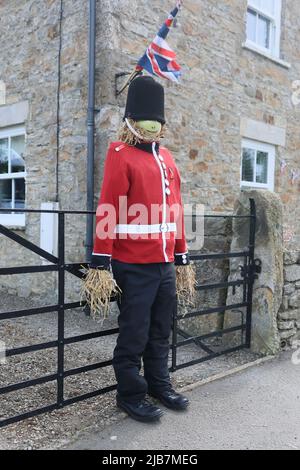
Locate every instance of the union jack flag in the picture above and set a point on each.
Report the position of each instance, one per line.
(159, 59)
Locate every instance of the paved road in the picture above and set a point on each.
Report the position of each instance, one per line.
(256, 409)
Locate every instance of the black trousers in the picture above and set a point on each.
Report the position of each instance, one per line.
(146, 309)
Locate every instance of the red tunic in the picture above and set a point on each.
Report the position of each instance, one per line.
(140, 216)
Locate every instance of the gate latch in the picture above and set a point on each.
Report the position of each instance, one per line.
(251, 270)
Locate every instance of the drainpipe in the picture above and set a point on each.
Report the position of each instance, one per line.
(91, 130)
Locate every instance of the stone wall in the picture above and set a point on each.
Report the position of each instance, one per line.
(222, 84)
(289, 314)
(29, 57)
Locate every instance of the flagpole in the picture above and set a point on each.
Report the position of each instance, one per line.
(136, 72)
(133, 75)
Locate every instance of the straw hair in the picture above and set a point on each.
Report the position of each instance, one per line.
(98, 288)
(186, 282)
(125, 135)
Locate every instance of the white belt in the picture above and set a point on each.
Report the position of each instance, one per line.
(143, 229)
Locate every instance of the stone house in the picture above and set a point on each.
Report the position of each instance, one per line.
(233, 122)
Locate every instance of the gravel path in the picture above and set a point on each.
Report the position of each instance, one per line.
(58, 428)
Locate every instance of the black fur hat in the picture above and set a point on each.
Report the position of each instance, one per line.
(145, 100)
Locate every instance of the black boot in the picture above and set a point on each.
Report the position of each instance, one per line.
(171, 399)
(141, 411)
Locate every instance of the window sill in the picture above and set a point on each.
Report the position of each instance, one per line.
(17, 228)
(246, 187)
(13, 222)
(259, 51)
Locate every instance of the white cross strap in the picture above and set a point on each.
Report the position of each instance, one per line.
(143, 229)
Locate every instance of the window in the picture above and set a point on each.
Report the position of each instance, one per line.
(263, 25)
(258, 165)
(12, 176)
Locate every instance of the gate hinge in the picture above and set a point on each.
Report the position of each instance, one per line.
(251, 270)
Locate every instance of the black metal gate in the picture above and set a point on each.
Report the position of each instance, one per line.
(249, 270)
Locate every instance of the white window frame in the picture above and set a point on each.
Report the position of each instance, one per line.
(275, 19)
(14, 219)
(259, 147)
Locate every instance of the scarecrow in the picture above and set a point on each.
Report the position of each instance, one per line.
(140, 252)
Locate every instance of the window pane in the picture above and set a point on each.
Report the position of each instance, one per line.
(248, 165)
(262, 167)
(17, 153)
(5, 194)
(269, 6)
(255, 3)
(263, 32)
(3, 156)
(251, 25)
(19, 193)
